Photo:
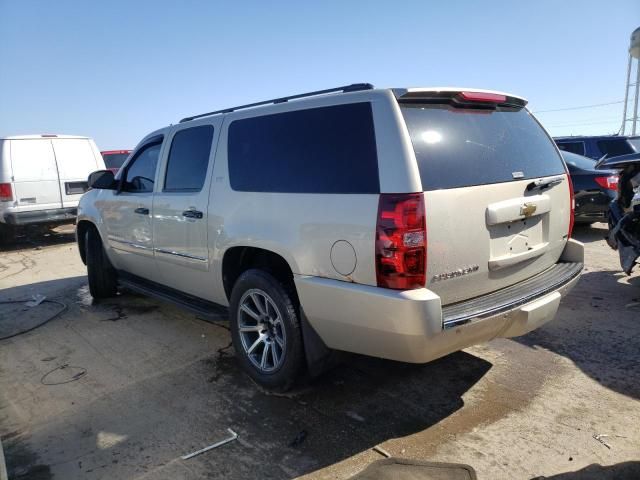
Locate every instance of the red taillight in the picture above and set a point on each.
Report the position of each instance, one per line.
(482, 97)
(609, 183)
(6, 194)
(572, 203)
(401, 241)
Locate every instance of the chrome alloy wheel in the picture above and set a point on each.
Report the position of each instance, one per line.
(262, 332)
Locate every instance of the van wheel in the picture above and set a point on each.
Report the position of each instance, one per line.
(7, 234)
(265, 329)
(103, 281)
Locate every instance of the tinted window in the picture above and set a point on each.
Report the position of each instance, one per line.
(320, 150)
(578, 161)
(616, 147)
(189, 159)
(141, 173)
(457, 148)
(114, 160)
(573, 147)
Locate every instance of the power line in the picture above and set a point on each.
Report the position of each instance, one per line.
(581, 124)
(580, 107)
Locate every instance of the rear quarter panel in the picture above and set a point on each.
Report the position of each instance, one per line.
(303, 228)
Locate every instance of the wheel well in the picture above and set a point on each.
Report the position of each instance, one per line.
(81, 229)
(237, 260)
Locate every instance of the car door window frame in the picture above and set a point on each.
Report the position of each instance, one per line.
(152, 142)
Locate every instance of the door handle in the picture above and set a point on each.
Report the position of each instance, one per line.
(192, 214)
(142, 211)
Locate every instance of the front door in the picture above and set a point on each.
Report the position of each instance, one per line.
(127, 215)
(180, 209)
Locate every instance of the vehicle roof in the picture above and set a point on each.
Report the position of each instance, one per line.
(364, 92)
(41, 136)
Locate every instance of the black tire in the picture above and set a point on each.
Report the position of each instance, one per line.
(103, 280)
(282, 376)
(7, 234)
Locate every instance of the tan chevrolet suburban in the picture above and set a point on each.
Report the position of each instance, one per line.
(398, 223)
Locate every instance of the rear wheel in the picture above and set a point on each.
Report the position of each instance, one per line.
(7, 233)
(265, 329)
(103, 282)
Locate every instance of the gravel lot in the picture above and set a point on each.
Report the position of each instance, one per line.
(122, 389)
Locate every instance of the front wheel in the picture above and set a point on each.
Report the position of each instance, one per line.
(265, 329)
(103, 281)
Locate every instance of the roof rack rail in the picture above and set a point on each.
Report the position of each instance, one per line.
(354, 87)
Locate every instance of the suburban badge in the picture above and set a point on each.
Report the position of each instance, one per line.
(456, 273)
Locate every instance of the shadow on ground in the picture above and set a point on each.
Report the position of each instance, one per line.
(142, 426)
(350, 410)
(37, 237)
(605, 346)
(619, 471)
(590, 233)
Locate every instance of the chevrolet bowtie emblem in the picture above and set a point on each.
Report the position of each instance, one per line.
(528, 209)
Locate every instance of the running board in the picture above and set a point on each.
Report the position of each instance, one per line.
(204, 308)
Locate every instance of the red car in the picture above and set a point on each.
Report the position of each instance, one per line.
(113, 159)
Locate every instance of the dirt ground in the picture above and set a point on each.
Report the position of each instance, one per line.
(122, 389)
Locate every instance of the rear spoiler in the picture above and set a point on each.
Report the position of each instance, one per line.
(620, 161)
(463, 97)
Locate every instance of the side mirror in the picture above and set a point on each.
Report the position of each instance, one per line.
(102, 179)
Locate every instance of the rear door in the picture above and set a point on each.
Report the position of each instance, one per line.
(486, 227)
(180, 209)
(35, 175)
(76, 160)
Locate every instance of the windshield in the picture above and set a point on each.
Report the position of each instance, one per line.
(458, 147)
(114, 160)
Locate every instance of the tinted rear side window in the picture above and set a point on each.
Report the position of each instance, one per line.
(458, 148)
(573, 147)
(319, 150)
(189, 159)
(616, 147)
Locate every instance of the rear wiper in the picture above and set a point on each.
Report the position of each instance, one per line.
(545, 183)
(600, 161)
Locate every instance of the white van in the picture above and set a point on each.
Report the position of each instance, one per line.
(42, 178)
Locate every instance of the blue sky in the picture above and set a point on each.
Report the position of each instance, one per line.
(115, 70)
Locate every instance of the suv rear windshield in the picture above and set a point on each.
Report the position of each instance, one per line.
(114, 160)
(615, 147)
(460, 147)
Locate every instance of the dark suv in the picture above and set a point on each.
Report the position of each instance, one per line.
(597, 146)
